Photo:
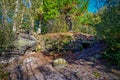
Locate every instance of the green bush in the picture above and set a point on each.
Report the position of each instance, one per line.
(6, 38)
(109, 29)
(3, 73)
(57, 25)
(82, 23)
(57, 44)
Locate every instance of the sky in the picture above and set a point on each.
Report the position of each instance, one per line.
(95, 5)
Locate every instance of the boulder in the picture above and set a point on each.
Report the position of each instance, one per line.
(24, 42)
(60, 62)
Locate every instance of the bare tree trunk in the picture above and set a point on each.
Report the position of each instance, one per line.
(21, 21)
(40, 24)
(32, 22)
(68, 22)
(15, 15)
(39, 28)
(30, 15)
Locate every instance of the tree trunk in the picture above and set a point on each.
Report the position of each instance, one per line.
(15, 15)
(40, 24)
(39, 28)
(68, 22)
(30, 14)
(21, 21)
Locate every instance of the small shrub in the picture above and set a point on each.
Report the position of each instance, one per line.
(96, 74)
(57, 44)
(3, 73)
(6, 38)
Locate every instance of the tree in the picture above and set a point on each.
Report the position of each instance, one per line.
(108, 29)
(15, 14)
(6, 33)
(73, 8)
(37, 13)
(68, 8)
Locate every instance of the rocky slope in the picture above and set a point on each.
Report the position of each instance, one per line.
(85, 64)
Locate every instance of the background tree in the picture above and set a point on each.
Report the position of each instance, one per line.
(52, 10)
(108, 29)
(37, 13)
(72, 8)
(6, 32)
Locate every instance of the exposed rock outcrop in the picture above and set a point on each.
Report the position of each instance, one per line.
(24, 42)
(58, 42)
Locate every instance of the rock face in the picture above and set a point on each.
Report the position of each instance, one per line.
(24, 42)
(28, 60)
(38, 66)
(32, 69)
(73, 42)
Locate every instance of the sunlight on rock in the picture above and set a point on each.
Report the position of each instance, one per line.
(60, 62)
(29, 59)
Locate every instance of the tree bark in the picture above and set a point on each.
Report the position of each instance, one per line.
(40, 24)
(15, 15)
(68, 22)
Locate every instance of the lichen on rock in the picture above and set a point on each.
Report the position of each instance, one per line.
(60, 62)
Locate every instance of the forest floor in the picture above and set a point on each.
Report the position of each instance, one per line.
(87, 64)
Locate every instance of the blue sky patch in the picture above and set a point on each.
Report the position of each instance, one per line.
(95, 5)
